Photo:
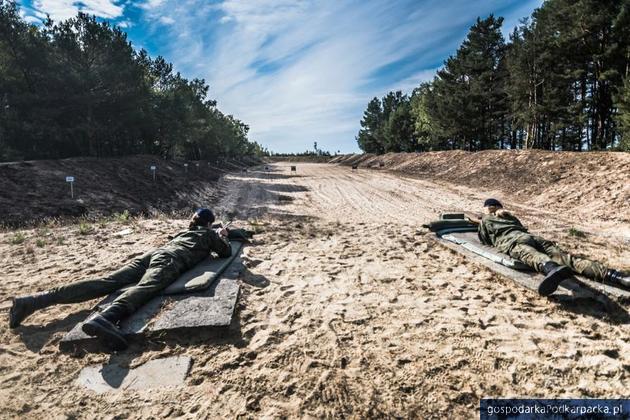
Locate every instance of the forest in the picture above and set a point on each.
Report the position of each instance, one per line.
(78, 88)
(561, 82)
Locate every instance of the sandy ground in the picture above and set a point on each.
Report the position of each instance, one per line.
(348, 309)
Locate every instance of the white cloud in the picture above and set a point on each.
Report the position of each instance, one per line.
(151, 4)
(167, 20)
(125, 24)
(33, 19)
(65, 9)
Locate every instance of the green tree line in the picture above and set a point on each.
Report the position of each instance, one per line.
(561, 82)
(78, 88)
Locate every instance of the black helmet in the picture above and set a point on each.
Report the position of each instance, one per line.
(492, 202)
(205, 215)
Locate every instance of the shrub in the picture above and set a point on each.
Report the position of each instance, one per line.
(17, 238)
(85, 228)
(124, 217)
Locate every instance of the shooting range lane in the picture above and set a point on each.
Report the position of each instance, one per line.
(357, 283)
(203, 297)
(347, 307)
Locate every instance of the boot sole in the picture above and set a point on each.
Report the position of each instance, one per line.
(106, 332)
(13, 323)
(552, 280)
(15, 320)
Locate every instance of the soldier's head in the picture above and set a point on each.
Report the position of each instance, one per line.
(202, 217)
(491, 205)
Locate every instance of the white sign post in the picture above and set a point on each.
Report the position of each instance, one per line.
(186, 167)
(70, 179)
(153, 168)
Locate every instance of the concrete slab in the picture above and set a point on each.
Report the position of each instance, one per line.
(154, 374)
(211, 308)
(470, 241)
(575, 288)
(522, 274)
(200, 311)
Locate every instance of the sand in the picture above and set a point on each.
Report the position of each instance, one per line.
(349, 309)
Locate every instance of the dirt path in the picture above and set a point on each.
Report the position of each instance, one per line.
(348, 308)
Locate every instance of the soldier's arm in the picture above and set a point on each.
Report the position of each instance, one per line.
(482, 234)
(507, 215)
(178, 234)
(220, 244)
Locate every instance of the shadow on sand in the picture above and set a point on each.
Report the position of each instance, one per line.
(35, 337)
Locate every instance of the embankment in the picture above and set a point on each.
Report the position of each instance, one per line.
(36, 190)
(593, 183)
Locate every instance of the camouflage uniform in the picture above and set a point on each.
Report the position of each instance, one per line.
(152, 272)
(508, 235)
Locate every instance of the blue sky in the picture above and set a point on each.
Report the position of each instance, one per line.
(296, 71)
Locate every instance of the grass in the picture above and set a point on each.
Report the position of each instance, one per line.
(61, 240)
(40, 243)
(17, 238)
(577, 233)
(124, 217)
(85, 228)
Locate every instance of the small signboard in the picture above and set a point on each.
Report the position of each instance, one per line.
(153, 168)
(70, 179)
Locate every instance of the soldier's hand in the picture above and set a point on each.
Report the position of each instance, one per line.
(222, 232)
(473, 217)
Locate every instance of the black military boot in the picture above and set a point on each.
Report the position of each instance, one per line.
(617, 277)
(103, 326)
(24, 306)
(554, 274)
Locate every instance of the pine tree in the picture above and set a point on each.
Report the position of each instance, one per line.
(423, 129)
(370, 137)
(468, 104)
(565, 68)
(623, 118)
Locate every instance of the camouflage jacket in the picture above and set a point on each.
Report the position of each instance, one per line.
(191, 246)
(501, 231)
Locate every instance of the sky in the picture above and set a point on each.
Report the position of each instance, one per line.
(296, 71)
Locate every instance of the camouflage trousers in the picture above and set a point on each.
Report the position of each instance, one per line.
(149, 275)
(536, 251)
